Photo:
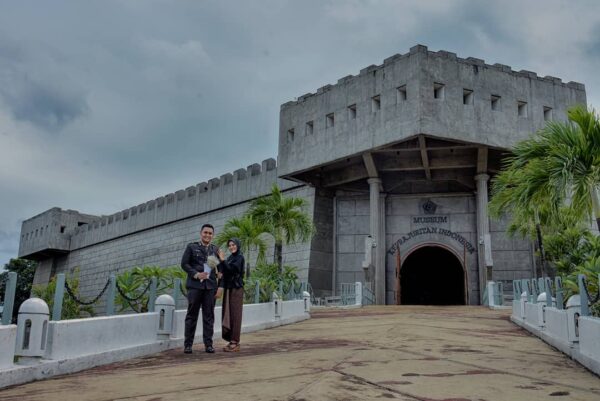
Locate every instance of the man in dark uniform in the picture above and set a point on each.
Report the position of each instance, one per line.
(201, 288)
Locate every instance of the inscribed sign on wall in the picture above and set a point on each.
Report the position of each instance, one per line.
(432, 230)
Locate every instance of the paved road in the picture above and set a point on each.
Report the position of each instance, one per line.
(373, 353)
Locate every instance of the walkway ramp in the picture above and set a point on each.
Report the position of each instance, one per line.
(371, 353)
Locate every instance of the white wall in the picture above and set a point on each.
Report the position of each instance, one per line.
(79, 344)
(72, 338)
(8, 337)
(556, 329)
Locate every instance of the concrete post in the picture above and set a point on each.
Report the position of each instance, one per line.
(358, 293)
(375, 231)
(483, 230)
(59, 294)
(9, 298)
(548, 287)
(110, 295)
(306, 297)
(152, 296)
(583, 295)
(165, 306)
(32, 330)
(176, 290)
(534, 291)
(559, 292)
(257, 293)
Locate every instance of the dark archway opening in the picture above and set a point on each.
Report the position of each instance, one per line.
(432, 276)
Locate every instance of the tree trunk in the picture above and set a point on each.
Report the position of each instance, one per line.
(596, 206)
(538, 231)
(278, 257)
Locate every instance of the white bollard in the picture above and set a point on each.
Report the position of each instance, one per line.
(32, 330)
(278, 304)
(165, 306)
(573, 313)
(306, 297)
(523, 302)
(491, 293)
(358, 293)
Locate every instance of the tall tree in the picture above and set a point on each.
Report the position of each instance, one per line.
(25, 270)
(249, 232)
(558, 167)
(284, 218)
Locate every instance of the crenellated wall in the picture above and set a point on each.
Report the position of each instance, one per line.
(420, 92)
(152, 233)
(70, 230)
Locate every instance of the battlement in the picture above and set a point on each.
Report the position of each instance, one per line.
(65, 231)
(422, 92)
(50, 232)
(442, 54)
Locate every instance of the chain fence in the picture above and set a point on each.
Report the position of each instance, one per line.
(75, 298)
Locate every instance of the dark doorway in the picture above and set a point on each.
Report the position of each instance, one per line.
(432, 276)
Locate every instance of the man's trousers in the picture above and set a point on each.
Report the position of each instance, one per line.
(197, 299)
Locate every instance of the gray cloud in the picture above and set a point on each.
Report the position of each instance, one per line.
(107, 104)
(34, 93)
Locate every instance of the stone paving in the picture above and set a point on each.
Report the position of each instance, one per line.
(374, 353)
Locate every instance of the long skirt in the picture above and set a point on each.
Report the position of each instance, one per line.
(233, 303)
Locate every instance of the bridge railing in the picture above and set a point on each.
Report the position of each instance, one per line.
(283, 291)
(567, 324)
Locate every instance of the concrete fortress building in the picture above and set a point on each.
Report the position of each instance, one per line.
(395, 163)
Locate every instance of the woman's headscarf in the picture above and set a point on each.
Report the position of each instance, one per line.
(239, 246)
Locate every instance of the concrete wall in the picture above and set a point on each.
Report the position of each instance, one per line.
(82, 230)
(50, 230)
(513, 256)
(398, 119)
(72, 338)
(321, 251)
(460, 212)
(163, 246)
(352, 222)
(8, 338)
(557, 328)
(403, 214)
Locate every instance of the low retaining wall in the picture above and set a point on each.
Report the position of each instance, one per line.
(8, 338)
(557, 327)
(73, 338)
(75, 345)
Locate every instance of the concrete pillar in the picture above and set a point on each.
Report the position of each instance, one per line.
(377, 231)
(483, 231)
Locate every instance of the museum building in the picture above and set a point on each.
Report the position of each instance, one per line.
(395, 164)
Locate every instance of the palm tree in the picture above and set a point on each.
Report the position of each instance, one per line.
(284, 219)
(559, 166)
(248, 231)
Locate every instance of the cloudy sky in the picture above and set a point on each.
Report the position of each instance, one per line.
(107, 104)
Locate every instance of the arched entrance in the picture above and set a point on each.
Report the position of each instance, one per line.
(432, 275)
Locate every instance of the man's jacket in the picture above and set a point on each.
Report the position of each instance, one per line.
(192, 262)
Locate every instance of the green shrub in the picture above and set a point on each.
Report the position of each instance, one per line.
(268, 277)
(70, 308)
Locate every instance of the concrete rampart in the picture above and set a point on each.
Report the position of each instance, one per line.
(163, 246)
(63, 231)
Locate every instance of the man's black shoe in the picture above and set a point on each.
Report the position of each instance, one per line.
(187, 349)
(210, 349)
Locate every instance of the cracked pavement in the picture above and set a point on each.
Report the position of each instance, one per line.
(432, 353)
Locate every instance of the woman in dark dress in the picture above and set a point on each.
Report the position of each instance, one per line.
(233, 295)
